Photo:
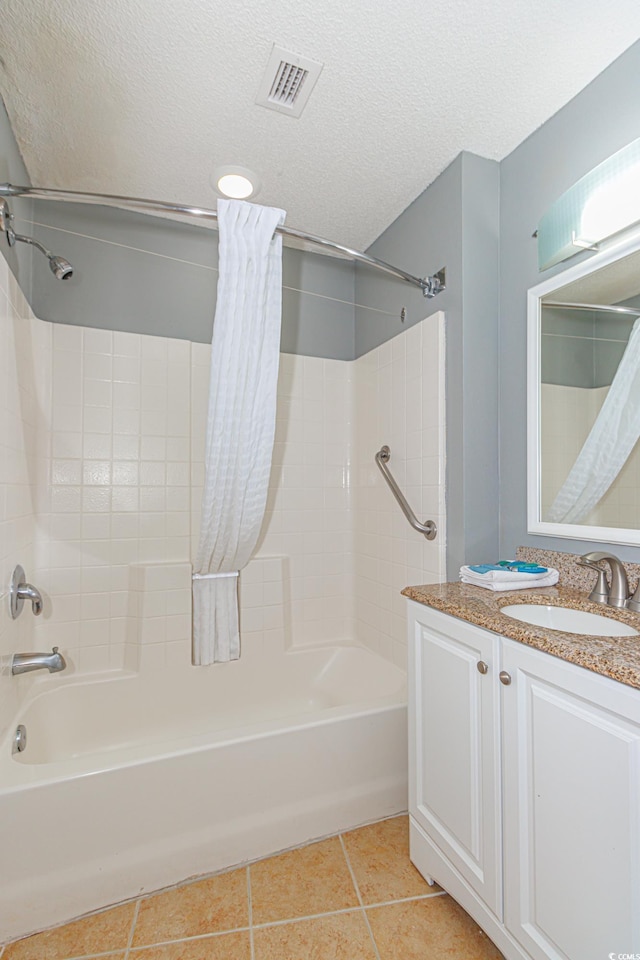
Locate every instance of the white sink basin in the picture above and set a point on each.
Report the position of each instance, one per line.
(568, 620)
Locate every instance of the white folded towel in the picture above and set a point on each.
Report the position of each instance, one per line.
(510, 580)
(504, 574)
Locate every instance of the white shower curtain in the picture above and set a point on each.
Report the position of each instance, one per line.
(611, 440)
(245, 351)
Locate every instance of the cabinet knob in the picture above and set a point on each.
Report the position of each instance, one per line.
(482, 667)
(505, 677)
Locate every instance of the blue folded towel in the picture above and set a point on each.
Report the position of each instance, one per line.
(514, 566)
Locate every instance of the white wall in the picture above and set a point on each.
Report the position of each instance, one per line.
(22, 368)
(304, 595)
(399, 389)
(119, 522)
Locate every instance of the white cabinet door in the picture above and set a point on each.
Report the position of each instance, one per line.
(571, 762)
(454, 765)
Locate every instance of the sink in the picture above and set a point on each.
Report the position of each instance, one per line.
(568, 620)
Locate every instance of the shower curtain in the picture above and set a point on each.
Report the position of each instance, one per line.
(610, 441)
(245, 351)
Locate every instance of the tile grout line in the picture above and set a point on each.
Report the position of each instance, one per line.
(357, 889)
(132, 931)
(259, 926)
(331, 913)
(250, 902)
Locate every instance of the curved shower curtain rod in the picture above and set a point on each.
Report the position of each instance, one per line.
(603, 307)
(430, 286)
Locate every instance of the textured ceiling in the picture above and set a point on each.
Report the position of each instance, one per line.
(147, 97)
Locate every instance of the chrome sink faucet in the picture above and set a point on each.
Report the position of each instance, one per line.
(615, 595)
(25, 662)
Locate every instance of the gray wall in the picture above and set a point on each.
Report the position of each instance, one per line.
(151, 275)
(12, 170)
(602, 119)
(453, 224)
(582, 348)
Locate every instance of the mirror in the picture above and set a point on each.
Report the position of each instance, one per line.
(583, 400)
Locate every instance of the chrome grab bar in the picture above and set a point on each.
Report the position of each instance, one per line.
(429, 528)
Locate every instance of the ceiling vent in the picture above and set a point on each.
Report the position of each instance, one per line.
(287, 82)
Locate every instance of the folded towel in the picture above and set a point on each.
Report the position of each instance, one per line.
(520, 583)
(495, 573)
(515, 566)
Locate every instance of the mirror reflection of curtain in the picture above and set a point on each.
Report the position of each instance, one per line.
(609, 443)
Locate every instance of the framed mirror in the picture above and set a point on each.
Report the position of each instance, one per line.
(583, 399)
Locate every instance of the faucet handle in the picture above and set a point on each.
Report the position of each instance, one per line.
(619, 586)
(634, 602)
(19, 591)
(600, 592)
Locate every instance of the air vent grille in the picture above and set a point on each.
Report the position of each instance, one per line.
(287, 82)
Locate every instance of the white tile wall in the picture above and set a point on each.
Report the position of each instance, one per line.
(307, 593)
(22, 352)
(102, 471)
(159, 616)
(117, 441)
(399, 389)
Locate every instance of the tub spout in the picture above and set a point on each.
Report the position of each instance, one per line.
(25, 662)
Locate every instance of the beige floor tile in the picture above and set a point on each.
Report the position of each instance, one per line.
(341, 937)
(379, 856)
(434, 929)
(226, 946)
(208, 906)
(100, 933)
(313, 879)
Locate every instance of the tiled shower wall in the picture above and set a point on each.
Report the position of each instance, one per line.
(122, 485)
(116, 485)
(114, 433)
(303, 594)
(399, 390)
(23, 369)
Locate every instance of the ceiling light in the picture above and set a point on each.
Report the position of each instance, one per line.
(237, 183)
(602, 204)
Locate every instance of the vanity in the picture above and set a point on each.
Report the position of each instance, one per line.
(524, 771)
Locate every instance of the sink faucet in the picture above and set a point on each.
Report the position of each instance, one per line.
(617, 594)
(25, 662)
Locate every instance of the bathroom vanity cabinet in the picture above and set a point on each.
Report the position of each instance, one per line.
(524, 790)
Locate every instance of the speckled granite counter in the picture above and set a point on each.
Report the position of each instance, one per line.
(615, 657)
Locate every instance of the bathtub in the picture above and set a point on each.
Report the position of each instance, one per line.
(131, 782)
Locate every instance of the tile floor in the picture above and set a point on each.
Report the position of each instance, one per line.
(351, 897)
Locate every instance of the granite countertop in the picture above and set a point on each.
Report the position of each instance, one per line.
(615, 657)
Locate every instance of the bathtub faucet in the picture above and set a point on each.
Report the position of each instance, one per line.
(25, 662)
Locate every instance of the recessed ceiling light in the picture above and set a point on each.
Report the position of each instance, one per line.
(235, 182)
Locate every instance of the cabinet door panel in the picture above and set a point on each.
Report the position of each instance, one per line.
(454, 766)
(572, 814)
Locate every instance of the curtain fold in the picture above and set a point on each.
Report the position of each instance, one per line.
(610, 441)
(245, 352)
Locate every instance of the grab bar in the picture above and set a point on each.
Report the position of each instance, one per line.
(429, 528)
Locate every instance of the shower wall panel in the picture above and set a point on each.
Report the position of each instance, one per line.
(309, 508)
(399, 389)
(23, 378)
(103, 465)
(124, 442)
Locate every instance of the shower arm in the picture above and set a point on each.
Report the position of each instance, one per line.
(430, 286)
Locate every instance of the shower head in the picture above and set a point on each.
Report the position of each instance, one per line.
(60, 268)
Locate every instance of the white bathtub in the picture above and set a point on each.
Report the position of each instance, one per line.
(132, 783)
